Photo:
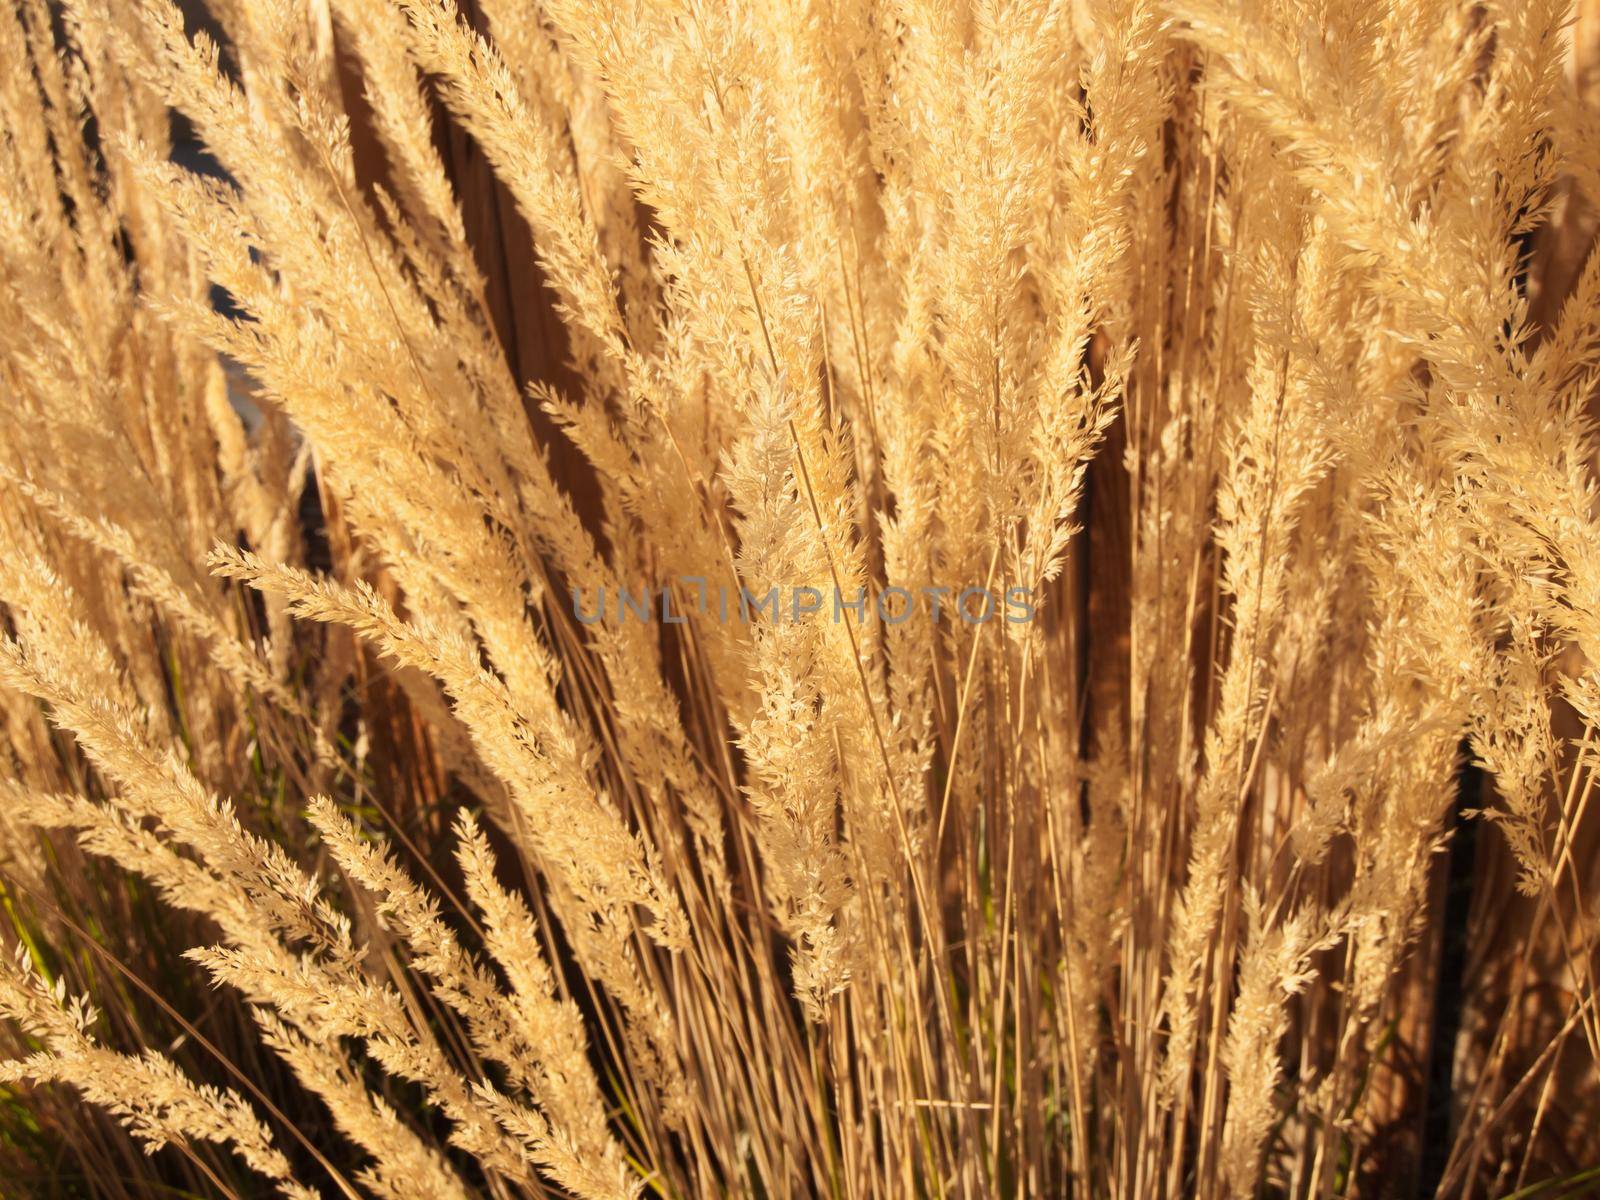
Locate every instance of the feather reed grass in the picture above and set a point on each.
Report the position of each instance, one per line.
(619, 598)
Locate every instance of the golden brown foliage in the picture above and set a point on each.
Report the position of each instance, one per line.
(443, 761)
